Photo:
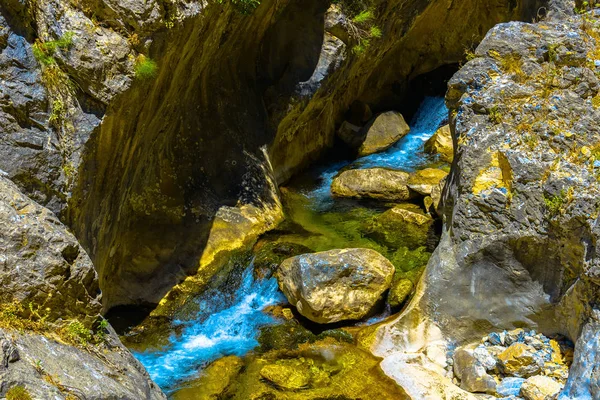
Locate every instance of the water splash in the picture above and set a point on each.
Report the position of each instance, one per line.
(407, 154)
(230, 329)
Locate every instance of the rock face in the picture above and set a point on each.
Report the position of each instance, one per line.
(521, 202)
(441, 143)
(372, 183)
(335, 285)
(382, 132)
(41, 262)
(49, 369)
(50, 282)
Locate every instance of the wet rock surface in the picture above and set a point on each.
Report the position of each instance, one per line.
(335, 285)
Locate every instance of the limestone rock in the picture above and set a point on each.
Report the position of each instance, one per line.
(517, 204)
(401, 226)
(335, 285)
(382, 132)
(42, 262)
(519, 360)
(424, 180)
(441, 143)
(399, 292)
(472, 374)
(540, 387)
(372, 183)
(49, 369)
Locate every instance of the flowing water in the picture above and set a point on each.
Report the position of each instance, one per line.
(228, 322)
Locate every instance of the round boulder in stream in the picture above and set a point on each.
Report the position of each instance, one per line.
(372, 183)
(335, 285)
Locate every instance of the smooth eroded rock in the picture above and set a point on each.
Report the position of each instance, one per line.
(441, 143)
(335, 285)
(372, 183)
(382, 132)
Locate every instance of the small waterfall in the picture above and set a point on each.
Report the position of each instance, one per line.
(225, 325)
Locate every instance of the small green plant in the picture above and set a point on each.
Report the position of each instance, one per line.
(363, 17)
(145, 68)
(101, 330)
(18, 393)
(44, 51)
(470, 54)
(245, 7)
(77, 332)
(555, 204)
(495, 115)
(58, 112)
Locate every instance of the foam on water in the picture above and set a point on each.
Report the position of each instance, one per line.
(231, 330)
(407, 154)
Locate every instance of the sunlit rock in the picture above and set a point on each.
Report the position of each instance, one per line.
(441, 143)
(372, 183)
(382, 132)
(335, 285)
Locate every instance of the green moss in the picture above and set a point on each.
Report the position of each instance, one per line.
(290, 335)
(44, 51)
(145, 68)
(555, 204)
(18, 393)
(245, 7)
(495, 115)
(77, 332)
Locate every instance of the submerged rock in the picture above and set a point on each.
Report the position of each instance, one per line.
(382, 132)
(214, 380)
(323, 370)
(372, 183)
(335, 285)
(441, 143)
(402, 225)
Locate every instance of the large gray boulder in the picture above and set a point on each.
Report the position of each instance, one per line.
(335, 285)
(372, 183)
(49, 369)
(41, 262)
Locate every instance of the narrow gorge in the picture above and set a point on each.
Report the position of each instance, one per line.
(283, 199)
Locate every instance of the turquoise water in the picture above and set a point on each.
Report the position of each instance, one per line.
(223, 327)
(406, 155)
(228, 323)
